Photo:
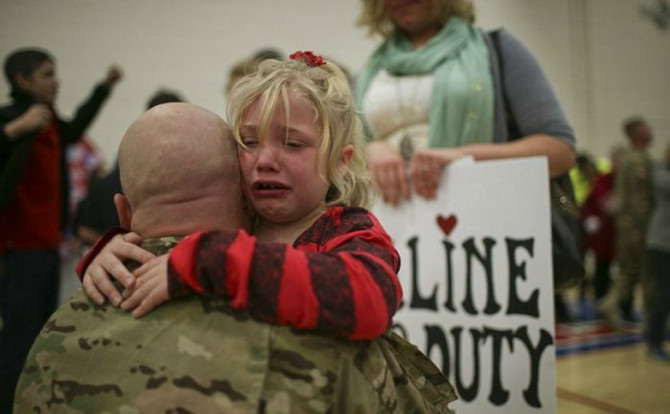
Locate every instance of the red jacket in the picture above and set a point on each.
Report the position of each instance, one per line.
(602, 241)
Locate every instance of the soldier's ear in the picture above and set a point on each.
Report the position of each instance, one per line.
(124, 210)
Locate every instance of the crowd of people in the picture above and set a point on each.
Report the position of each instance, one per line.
(274, 254)
(625, 213)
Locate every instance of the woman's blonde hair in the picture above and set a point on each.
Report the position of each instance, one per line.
(375, 18)
(327, 89)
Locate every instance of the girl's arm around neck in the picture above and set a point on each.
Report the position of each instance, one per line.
(340, 277)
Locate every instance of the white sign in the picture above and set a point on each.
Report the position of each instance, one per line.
(478, 292)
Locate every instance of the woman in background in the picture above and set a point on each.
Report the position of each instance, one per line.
(439, 88)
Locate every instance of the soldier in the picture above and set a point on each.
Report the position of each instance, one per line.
(634, 194)
(179, 174)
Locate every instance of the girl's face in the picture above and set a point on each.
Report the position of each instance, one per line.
(281, 177)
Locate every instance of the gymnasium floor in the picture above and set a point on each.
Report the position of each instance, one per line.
(599, 371)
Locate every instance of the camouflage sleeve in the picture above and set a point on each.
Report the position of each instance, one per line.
(633, 190)
(622, 186)
(339, 279)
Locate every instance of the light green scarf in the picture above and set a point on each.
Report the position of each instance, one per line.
(462, 102)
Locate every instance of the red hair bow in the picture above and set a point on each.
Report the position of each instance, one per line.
(309, 58)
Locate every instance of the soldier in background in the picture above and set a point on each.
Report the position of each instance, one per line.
(634, 195)
(196, 354)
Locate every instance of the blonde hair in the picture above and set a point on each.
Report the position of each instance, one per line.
(327, 89)
(375, 18)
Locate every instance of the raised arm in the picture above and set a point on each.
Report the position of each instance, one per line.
(73, 130)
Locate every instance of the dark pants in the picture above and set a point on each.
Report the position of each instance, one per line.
(601, 278)
(29, 283)
(660, 270)
(602, 281)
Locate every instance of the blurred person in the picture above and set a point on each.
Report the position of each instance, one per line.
(583, 176)
(85, 166)
(239, 70)
(598, 213)
(197, 354)
(267, 53)
(658, 245)
(34, 197)
(96, 214)
(247, 65)
(164, 96)
(432, 92)
(633, 190)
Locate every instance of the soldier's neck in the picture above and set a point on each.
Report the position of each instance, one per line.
(160, 245)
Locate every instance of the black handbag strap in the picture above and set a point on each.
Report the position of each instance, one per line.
(513, 130)
(562, 193)
(568, 265)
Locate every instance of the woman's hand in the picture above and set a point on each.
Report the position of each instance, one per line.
(387, 168)
(97, 283)
(426, 169)
(151, 289)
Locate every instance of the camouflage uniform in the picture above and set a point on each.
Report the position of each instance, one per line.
(195, 355)
(634, 193)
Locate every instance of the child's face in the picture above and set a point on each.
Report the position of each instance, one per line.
(42, 84)
(281, 175)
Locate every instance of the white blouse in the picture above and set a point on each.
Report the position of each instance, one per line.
(396, 110)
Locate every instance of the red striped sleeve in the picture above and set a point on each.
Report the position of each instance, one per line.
(181, 272)
(372, 314)
(339, 278)
(296, 296)
(238, 266)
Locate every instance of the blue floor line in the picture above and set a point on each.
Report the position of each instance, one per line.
(600, 344)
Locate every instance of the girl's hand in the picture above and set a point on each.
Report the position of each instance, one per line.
(426, 169)
(97, 283)
(151, 288)
(387, 168)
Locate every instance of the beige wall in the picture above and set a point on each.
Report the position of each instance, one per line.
(630, 71)
(603, 59)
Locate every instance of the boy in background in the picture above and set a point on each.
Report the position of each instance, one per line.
(33, 201)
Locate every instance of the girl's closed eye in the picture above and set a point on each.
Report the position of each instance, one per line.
(249, 142)
(295, 144)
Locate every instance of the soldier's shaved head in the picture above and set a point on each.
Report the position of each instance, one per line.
(179, 170)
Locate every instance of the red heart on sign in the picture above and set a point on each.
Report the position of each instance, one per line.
(447, 224)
